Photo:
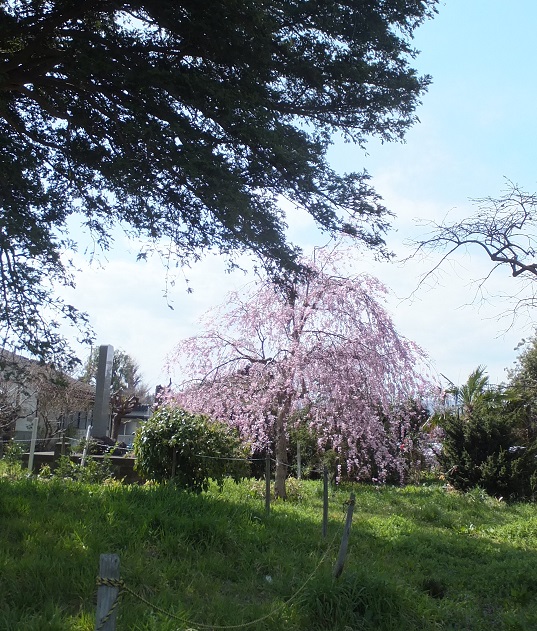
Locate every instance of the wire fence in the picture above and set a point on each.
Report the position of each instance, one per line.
(246, 460)
(126, 471)
(275, 461)
(24, 446)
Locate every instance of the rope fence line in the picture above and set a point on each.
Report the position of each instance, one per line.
(275, 461)
(82, 439)
(229, 458)
(204, 456)
(294, 466)
(268, 474)
(246, 460)
(122, 588)
(8, 441)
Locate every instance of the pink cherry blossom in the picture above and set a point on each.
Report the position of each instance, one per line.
(325, 347)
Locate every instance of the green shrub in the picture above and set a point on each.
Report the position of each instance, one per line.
(11, 462)
(203, 449)
(93, 472)
(13, 453)
(481, 449)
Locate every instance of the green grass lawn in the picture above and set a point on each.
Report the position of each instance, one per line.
(419, 557)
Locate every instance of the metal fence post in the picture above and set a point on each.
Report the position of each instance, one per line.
(325, 501)
(86, 445)
(32, 445)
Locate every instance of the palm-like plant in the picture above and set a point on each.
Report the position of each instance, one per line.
(474, 390)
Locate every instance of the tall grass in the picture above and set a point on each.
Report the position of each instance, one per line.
(420, 557)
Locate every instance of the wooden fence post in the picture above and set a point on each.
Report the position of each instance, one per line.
(325, 501)
(267, 483)
(105, 619)
(298, 462)
(340, 562)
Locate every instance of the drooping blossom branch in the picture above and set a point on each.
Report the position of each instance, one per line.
(324, 350)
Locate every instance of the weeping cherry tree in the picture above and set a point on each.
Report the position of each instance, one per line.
(322, 348)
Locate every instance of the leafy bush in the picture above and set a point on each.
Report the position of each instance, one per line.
(482, 449)
(203, 449)
(92, 472)
(101, 446)
(13, 453)
(11, 462)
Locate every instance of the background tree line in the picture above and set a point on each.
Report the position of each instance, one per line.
(490, 431)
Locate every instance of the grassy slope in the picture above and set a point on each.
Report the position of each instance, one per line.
(420, 558)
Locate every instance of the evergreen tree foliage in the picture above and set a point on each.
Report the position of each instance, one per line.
(483, 447)
(184, 123)
(523, 388)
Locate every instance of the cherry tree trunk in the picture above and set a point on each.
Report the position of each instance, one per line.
(281, 455)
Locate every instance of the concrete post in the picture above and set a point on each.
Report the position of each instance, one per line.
(107, 593)
(101, 411)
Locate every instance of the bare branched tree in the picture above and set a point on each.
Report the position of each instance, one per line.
(504, 229)
(29, 389)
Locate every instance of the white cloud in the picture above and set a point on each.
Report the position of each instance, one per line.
(128, 310)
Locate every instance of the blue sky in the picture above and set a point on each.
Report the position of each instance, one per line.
(477, 128)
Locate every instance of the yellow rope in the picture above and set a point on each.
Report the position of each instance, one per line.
(111, 582)
(120, 584)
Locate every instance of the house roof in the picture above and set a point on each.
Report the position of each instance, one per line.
(141, 412)
(16, 368)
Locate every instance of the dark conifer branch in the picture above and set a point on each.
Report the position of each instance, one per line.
(186, 121)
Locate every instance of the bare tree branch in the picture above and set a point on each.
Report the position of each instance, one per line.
(504, 228)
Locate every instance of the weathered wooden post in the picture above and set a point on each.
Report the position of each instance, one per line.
(325, 501)
(298, 462)
(340, 562)
(32, 445)
(267, 483)
(107, 594)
